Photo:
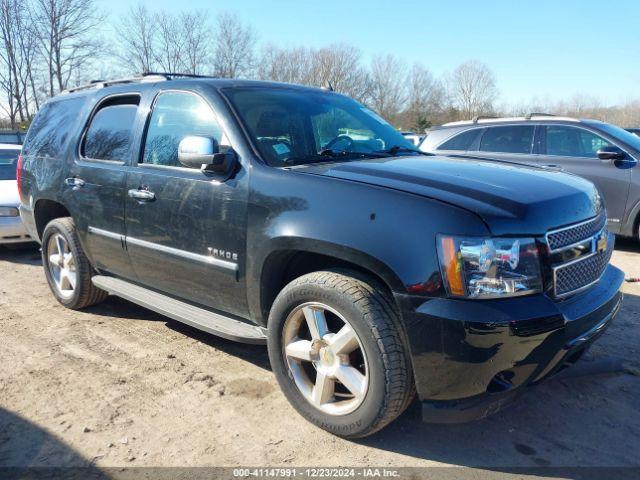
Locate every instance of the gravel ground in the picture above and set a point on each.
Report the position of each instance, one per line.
(118, 385)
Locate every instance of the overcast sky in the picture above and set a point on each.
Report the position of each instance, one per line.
(549, 49)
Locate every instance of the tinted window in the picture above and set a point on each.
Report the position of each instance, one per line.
(509, 139)
(49, 131)
(462, 141)
(109, 134)
(177, 115)
(291, 126)
(573, 142)
(8, 160)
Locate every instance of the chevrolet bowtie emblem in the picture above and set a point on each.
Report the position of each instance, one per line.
(602, 242)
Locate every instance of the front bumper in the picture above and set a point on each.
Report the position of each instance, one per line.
(12, 231)
(470, 358)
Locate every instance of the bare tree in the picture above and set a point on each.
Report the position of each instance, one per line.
(290, 65)
(66, 33)
(472, 87)
(170, 44)
(234, 48)
(338, 66)
(388, 86)
(197, 41)
(136, 38)
(425, 99)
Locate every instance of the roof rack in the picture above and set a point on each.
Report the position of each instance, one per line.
(142, 78)
(528, 116)
(482, 117)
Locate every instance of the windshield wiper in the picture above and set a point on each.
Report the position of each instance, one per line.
(398, 149)
(328, 155)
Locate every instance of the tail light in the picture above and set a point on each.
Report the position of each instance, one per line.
(19, 175)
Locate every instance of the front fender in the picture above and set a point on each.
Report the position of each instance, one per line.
(386, 231)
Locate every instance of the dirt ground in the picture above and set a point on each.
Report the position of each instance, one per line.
(118, 385)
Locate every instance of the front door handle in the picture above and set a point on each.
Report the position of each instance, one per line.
(74, 182)
(142, 195)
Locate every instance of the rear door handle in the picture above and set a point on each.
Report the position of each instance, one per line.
(74, 182)
(142, 195)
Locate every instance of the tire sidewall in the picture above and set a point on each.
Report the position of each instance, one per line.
(349, 425)
(51, 229)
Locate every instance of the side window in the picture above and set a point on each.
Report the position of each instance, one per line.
(508, 139)
(49, 131)
(177, 115)
(110, 131)
(462, 141)
(573, 142)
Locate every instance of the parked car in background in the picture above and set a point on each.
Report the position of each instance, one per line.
(601, 152)
(15, 137)
(635, 131)
(11, 228)
(413, 137)
(371, 270)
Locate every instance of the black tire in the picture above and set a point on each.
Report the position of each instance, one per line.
(85, 294)
(372, 313)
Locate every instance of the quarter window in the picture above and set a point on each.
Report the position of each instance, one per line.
(508, 139)
(573, 142)
(177, 115)
(109, 134)
(462, 141)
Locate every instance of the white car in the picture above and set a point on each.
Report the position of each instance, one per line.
(11, 228)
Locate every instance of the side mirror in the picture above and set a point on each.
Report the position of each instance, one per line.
(203, 153)
(611, 153)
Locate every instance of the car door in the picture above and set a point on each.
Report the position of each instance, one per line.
(186, 227)
(95, 183)
(575, 150)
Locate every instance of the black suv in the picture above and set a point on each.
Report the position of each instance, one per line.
(275, 213)
(602, 153)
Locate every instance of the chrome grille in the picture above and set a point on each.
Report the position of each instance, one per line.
(564, 237)
(578, 274)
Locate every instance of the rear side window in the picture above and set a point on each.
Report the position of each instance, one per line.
(10, 137)
(573, 142)
(50, 130)
(8, 160)
(462, 141)
(508, 139)
(110, 131)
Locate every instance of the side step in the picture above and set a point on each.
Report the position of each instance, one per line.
(200, 318)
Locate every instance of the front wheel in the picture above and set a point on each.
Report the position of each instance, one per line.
(338, 353)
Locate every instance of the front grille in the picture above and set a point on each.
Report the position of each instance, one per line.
(582, 272)
(575, 233)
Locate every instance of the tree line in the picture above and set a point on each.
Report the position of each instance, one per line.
(51, 45)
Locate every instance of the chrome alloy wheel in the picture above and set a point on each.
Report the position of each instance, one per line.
(62, 265)
(326, 358)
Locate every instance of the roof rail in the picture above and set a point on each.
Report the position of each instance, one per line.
(481, 117)
(528, 116)
(142, 78)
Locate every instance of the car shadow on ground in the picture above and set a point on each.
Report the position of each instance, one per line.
(626, 244)
(27, 254)
(28, 451)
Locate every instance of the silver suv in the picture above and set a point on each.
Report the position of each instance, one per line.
(603, 153)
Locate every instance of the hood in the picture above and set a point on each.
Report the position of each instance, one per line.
(9, 193)
(510, 198)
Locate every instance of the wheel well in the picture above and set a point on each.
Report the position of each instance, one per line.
(284, 266)
(45, 211)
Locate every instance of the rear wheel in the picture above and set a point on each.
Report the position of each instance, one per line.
(336, 348)
(66, 267)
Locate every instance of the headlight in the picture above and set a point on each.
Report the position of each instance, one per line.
(489, 267)
(9, 212)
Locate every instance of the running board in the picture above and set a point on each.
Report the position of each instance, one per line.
(200, 318)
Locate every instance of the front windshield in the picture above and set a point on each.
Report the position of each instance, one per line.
(295, 127)
(627, 137)
(8, 161)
